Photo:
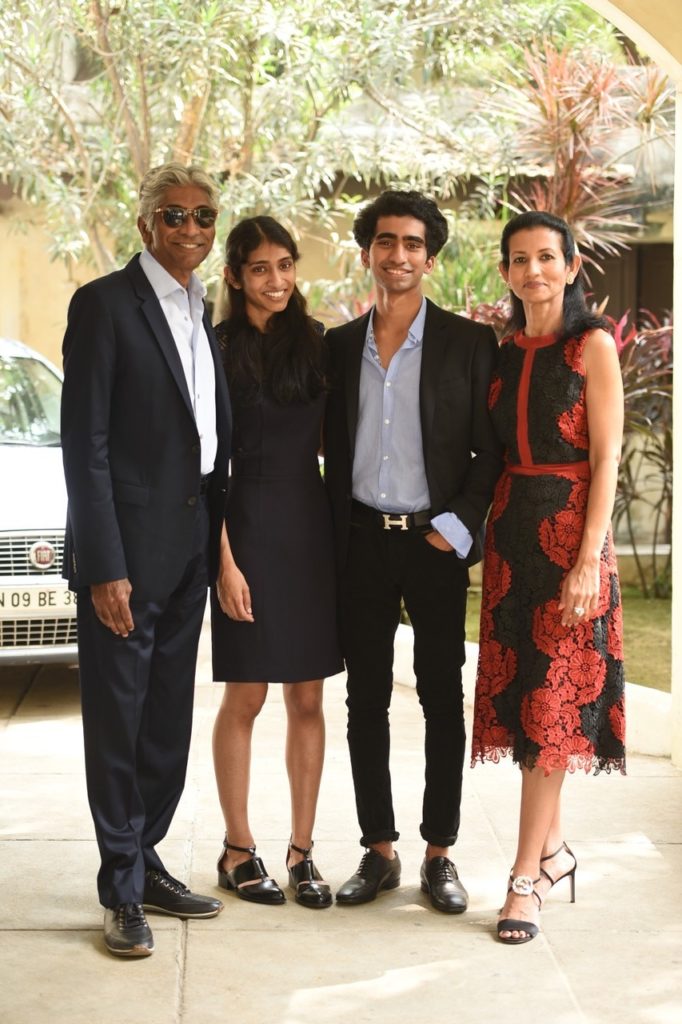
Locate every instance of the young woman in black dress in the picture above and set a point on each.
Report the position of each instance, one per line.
(273, 614)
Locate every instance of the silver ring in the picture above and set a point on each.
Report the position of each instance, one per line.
(578, 611)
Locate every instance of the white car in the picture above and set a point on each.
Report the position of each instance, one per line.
(37, 610)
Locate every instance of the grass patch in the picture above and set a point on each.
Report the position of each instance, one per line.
(646, 628)
(647, 625)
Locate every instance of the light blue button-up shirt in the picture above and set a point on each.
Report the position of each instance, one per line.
(388, 467)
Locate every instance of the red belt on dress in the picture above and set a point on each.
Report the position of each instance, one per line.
(573, 469)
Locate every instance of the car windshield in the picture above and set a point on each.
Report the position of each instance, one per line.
(30, 395)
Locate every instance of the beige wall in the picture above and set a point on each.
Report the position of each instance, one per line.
(34, 292)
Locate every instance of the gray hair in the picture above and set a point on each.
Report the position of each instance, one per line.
(158, 179)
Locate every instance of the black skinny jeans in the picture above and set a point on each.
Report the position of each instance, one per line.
(383, 566)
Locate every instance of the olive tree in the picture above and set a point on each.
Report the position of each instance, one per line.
(291, 105)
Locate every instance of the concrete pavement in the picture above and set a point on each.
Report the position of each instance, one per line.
(614, 956)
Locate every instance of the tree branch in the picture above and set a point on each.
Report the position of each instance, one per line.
(192, 119)
(144, 103)
(63, 110)
(139, 151)
(103, 257)
(395, 111)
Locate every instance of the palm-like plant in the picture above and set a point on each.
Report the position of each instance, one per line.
(570, 120)
(646, 466)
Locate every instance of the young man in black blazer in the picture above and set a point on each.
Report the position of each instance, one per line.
(146, 436)
(411, 460)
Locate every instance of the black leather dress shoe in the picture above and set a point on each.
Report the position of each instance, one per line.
(165, 895)
(126, 932)
(440, 880)
(374, 874)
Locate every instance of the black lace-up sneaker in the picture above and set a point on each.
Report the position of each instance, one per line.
(165, 895)
(126, 932)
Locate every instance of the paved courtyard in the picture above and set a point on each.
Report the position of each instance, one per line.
(615, 956)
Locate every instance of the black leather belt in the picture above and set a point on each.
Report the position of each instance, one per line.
(364, 515)
(203, 484)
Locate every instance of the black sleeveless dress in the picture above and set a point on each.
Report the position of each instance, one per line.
(279, 526)
(549, 695)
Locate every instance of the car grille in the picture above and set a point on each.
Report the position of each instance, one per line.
(37, 632)
(14, 549)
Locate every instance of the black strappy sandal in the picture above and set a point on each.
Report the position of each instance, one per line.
(306, 881)
(567, 874)
(249, 880)
(522, 885)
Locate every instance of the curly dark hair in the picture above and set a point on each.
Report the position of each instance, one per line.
(393, 203)
(288, 360)
(577, 318)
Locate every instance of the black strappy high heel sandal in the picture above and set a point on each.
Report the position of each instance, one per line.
(306, 881)
(567, 874)
(522, 885)
(249, 880)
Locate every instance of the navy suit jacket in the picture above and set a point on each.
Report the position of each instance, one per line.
(462, 455)
(132, 456)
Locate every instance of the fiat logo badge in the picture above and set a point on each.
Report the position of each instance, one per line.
(42, 555)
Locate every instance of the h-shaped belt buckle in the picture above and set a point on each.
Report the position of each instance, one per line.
(390, 521)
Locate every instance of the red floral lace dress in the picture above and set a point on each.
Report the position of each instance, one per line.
(550, 695)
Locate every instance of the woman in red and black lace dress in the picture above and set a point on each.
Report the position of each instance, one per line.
(550, 682)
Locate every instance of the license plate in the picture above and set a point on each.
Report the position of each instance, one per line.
(32, 602)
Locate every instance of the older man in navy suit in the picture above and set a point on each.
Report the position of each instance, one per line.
(145, 435)
(411, 460)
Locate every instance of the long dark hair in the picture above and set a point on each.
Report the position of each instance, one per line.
(288, 362)
(577, 318)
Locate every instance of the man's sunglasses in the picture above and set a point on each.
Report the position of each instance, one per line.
(174, 216)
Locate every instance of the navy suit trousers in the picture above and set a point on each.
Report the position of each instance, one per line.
(137, 700)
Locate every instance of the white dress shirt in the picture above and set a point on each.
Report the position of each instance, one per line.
(183, 308)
